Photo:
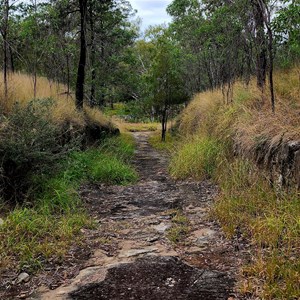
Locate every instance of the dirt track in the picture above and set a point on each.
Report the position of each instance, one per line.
(131, 254)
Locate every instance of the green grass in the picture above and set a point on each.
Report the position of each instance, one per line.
(29, 237)
(221, 142)
(180, 227)
(248, 205)
(268, 218)
(168, 145)
(33, 234)
(107, 164)
(119, 109)
(133, 111)
(197, 158)
(270, 221)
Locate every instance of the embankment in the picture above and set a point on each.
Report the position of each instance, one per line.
(254, 156)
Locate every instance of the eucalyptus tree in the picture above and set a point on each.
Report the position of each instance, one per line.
(165, 78)
(286, 26)
(6, 7)
(186, 23)
(111, 35)
(4, 34)
(83, 4)
(211, 34)
(225, 40)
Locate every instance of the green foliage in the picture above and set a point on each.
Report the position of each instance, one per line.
(43, 41)
(167, 82)
(122, 146)
(106, 164)
(167, 145)
(132, 111)
(287, 32)
(110, 170)
(30, 143)
(28, 134)
(31, 236)
(197, 158)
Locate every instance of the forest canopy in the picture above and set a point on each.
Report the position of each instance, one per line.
(97, 50)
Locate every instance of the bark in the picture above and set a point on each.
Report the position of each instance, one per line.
(5, 47)
(93, 58)
(271, 58)
(267, 20)
(35, 57)
(164, 121)
(34, 82)
(68, 75)
(82, 59)
(261, 59)
(12, 61)
(102, 56)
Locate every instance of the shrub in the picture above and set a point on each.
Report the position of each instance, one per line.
(32, 235)
(29, 143)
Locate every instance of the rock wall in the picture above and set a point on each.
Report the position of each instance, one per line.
(285, 164)
(280, 157)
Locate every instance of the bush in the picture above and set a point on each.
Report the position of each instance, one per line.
(29, 143)
(30, 236)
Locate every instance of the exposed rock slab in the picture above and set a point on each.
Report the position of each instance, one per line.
(130, 255)
(156, 278)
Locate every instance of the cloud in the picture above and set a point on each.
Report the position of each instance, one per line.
(152, 12)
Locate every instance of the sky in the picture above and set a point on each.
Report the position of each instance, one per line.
(152, 12)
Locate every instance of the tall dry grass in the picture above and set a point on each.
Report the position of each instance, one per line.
(21, 91)
(213, 133)
(250, 113)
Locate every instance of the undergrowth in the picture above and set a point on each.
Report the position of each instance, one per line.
(167, 145)
(270, 221)
(32, 234)
(249, 206)
(21, 91)
(197, 158)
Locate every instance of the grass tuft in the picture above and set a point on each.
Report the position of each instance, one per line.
(167, 145)
(29, 237)
(270, 221)
(197, 158)
(180, 227)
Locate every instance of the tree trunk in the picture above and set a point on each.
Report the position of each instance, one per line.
(271, 69)
(35, 59)
(164, 120)
(12, 61)
(82, 59)
(261, 59)
(34, 82)
(5, 47)
(93, 59)
(68, 75)
(267, 20)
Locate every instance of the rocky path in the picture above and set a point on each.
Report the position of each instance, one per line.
(154, 240)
